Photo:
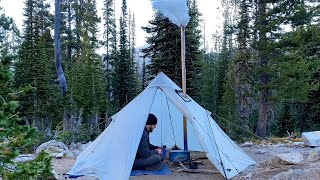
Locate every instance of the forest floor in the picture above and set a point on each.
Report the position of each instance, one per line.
(265, 168)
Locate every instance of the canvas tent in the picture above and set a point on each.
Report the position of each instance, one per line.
(112, 154)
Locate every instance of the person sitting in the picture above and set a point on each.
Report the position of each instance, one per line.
(148, 156)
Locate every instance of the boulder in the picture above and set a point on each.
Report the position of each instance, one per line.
(24, 158)
(298, 174)
(89, 143)
(247, 144)
(60, 155)
(280, 145)
(261, 152)
(83, 147)
(78, 145)
(70, 154)
(76, 152)
(289, 158)
(53, 148)
(73, 146)
(313, 156)
(62, 145)
(311, 138)
(247, 176)
(298, 143)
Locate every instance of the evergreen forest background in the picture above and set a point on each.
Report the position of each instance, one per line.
(260, 79)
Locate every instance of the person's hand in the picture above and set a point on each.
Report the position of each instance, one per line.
(159, 150)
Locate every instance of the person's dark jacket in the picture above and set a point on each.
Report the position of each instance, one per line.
(146, 149)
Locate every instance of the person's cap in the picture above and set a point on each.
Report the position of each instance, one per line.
(152, 120)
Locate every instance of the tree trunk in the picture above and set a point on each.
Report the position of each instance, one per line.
(71, 120)
(244, 104)
(263, 114)
(69, 36)
(35, 121)
(48, 126)
(93, 123)
(243, 67)
(78, 25)
(57, 49)
(264, 77)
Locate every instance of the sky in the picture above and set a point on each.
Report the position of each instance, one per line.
(143, 13)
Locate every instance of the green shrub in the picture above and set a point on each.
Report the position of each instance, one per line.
(40, 168)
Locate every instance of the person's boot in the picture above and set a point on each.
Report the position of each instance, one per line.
(155, 167)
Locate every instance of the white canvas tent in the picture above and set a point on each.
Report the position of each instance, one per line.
(112, 154)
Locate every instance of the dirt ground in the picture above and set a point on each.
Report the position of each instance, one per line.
(265, 168)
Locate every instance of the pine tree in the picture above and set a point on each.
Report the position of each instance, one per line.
(109, 41)
(165, 48)
(193, 51)
(222, 67)
(297, 85)
(218, 75)
(209, 92)
(87, 71)
(134, 85)
(66, 36)
(124, 80)
(86, 101)
(285, 123)
(243, 69)
(14, 137)
(70, 50)
(162, 57)
(273, 58)
(144, 74)
(35, 66)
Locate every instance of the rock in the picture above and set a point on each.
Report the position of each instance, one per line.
(76, 152)
(43, 146)
(53, 148)
(60, 155)
(54, 174)
(289, 158)
(261, 152)
(298, 174)
(248, 176)
(247, 144)
(24, 158)
(288, 142)
(298, 143)
(83, 147)
(73, 146)
(52, 154)
(70, 154)
(78, 145)
(62, 145)
(279, 145)
(311, 138)
(313, 156)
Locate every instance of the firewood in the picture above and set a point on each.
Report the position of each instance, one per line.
(197, 171)
(185, 169)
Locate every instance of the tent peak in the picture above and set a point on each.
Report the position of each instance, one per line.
(162, 80)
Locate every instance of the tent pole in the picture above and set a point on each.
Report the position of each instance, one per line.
(183, 68)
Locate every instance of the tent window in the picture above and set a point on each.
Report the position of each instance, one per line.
(185, 98)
